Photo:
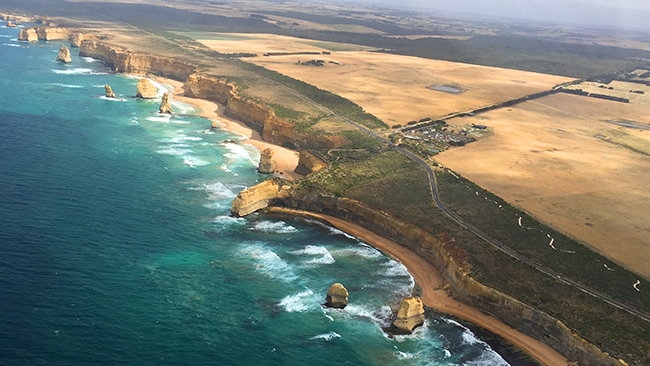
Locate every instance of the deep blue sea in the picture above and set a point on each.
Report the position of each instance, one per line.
(117, 248)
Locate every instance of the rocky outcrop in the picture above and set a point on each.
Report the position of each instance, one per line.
(53, 33)
(255, 115)
(308, 163)
(409, 316)
(122, 60)
(10, 24)
(77, 37)
(28, 34)
(165, 106)
(146, 90)
(64, 55)
(109, 91)
(259, 196)
(266, 162)
(337, 296)
(446, 256)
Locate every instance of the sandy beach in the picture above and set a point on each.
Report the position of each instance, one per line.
(431, 283)
(285, 159)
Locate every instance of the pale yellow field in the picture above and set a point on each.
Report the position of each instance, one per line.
(557, 159)
(620, 89)
(394, 87)
(262, 43)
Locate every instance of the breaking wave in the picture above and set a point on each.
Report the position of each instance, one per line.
(269, 263)
(278, 227)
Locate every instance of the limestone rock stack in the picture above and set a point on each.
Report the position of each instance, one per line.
(266, 162)
(309, 163)
(109, 92)
(165, 106)
(337, 296)
(28, 34)
(146, 90)
(10, 24)
(409, 316)
(64, 55)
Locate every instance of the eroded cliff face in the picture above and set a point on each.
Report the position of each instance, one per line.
(53, 33)
(122, 60)
(28, 34)
(309, 163)
(449, 259)
(258, 197)
(409, 316)
(258, 116)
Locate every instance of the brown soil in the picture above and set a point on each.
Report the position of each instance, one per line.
(558, 159)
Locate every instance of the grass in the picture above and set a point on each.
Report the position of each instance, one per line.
(385, 179)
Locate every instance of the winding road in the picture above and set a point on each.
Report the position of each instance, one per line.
(433, 182)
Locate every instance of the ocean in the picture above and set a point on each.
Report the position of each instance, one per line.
(117, 248)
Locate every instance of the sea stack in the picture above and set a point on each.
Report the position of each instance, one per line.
(10, 24)
(337, 296)
(28, 34)
(409, 316)
(165, 106)
(266, 162)
(109, 91)
(146, 90)
(64, 55)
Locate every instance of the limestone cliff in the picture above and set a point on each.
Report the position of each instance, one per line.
(64, 55)
(165, 106)
(337, 296)
(109, 91)
(146, 90)
(257, 197)
(266, 162)
(258, 116)
(53, 34)
(77, 37)
(309, 163)
(409, 316)
(444, 256)
(28, 34)
(122, 60)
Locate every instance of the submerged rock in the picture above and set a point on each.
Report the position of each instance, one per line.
(64, 55)
(266, 162)
(146, 90)
(337, 296)
(165, 106)
(28, 34)
(109, 92)
(409, 316)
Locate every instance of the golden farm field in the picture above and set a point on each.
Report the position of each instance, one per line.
(394, 87)
(558, 159)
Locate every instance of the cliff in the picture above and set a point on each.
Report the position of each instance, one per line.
(258, 197)
(258, 116)
(53, 34)
(122, 60)
(309, 163)
(444, 256)
(28, 34)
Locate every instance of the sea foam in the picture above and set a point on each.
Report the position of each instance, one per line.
(269, 263)
(278, 227)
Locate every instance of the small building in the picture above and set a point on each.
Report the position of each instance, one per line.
(479, 127)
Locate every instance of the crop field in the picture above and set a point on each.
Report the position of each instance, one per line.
(398, 89)
(561, 159)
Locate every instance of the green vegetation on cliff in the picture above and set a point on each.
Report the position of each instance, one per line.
(387, 180)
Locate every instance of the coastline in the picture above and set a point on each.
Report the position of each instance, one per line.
(285, 160)
(431, 283)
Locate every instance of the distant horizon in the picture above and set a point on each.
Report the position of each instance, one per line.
(628, 15)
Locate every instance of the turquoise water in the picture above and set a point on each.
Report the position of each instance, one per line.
(116, 247)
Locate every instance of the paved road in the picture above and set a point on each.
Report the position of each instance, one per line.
(436, 198)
